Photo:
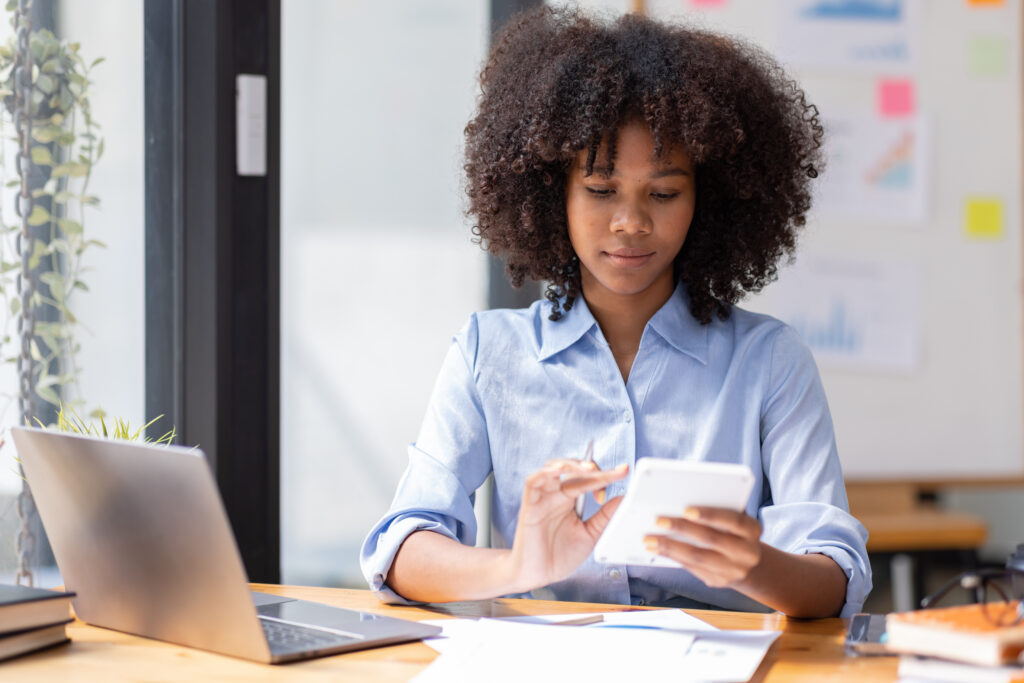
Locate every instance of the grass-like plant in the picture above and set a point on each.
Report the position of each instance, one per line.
(68, 420)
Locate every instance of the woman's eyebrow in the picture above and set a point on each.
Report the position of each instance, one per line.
(662, 173)
(607, 172)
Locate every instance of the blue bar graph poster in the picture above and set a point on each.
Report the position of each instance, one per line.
(861, 313)
(854, 35)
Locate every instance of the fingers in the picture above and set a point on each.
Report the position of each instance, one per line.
(729, 521)
(558, 463)
(715, 566)
(719, 546)
(704, 548)
(584, 481)
(702, 536)
(571, 478)
(598, 522)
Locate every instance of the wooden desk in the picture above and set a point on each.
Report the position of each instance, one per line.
(807, 650)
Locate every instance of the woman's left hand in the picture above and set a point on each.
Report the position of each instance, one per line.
(722, 546)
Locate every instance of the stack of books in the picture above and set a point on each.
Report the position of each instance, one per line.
(956, 644)
(31, 619)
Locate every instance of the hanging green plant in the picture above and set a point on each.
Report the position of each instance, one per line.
(47, 115)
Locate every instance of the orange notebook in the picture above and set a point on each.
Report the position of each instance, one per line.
(960, 633)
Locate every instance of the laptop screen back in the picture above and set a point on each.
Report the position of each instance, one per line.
(140, 534)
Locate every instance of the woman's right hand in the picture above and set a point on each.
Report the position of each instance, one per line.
(550, 540)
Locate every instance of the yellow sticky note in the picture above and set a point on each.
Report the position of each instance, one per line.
(983, 218)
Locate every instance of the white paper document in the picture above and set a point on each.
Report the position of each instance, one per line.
(727, 655)
(648, 618)
(876, 169)
(499, 652)
(675, 619)
(861, 313)
(647, 644)
(849, 35)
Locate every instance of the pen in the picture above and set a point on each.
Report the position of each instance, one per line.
(587, 457)
(581, 621)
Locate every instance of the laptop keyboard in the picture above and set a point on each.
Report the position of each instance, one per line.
(284, 637)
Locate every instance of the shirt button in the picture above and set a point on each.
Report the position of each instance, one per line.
(628, 416)
(641, 602)
(614, 574)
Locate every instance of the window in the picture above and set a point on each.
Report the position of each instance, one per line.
(111, 311)
(377, 266)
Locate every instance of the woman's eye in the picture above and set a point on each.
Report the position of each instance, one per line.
(599, 192)
(664, 196)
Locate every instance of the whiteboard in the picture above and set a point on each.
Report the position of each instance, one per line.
(907, 282)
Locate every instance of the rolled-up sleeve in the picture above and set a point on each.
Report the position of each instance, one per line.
(808, 510)
(448, 462)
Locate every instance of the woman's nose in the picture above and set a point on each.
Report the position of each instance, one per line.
(631, 219)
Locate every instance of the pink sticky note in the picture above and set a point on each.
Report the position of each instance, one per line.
(895, 97)
(707, 3)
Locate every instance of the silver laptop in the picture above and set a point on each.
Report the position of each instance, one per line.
(140, 534)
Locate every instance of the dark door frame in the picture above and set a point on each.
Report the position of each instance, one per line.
(212, 245)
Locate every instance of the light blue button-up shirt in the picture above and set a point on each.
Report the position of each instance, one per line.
(517, 389)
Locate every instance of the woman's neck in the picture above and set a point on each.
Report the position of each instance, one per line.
(623, 317)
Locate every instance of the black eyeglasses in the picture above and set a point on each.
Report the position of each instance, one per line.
(998, 591)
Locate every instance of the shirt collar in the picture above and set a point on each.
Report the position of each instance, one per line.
(558, 335)
(673, 322)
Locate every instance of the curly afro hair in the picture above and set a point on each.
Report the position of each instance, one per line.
(558, 81)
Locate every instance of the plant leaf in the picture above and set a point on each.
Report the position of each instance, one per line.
(41, 156)
(38, 251)
(46, 134)
(48, 395)
(69, 226)
(46, 83)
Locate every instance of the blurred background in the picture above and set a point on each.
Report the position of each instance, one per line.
(907, 286)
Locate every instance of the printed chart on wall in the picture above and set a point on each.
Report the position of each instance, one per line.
(854, 313)
(849, 35)
(907, 281)
(877, 170)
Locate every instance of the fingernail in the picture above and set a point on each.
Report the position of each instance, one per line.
(600, 496)
(664, 522)
(651, 544)
(622, 468)
(691, 513)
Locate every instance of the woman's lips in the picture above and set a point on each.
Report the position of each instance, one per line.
(629, 258)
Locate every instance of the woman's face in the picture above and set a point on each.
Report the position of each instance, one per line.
(628, 224)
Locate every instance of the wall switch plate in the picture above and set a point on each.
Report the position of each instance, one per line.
(251, 124)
